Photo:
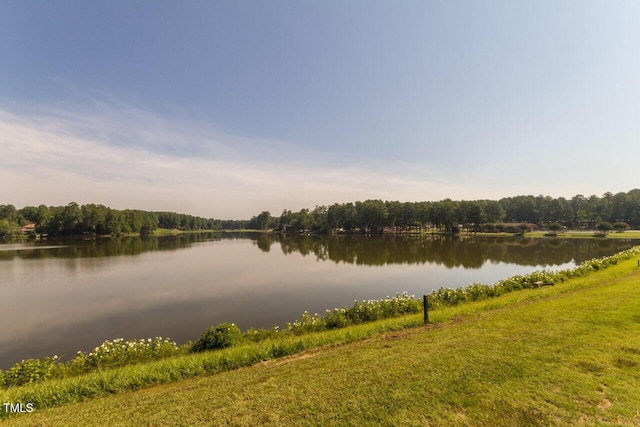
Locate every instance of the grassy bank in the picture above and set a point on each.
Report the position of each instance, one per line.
(175, 231)
(629, 234)
(558, 355)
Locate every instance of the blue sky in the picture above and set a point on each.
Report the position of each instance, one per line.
(227, 108)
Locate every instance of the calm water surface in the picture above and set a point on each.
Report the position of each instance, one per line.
(61, 297)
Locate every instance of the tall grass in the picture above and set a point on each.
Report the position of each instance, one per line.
(477, 291)
(109, 354)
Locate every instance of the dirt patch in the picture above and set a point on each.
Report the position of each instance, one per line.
(605, 404)
(289, 359)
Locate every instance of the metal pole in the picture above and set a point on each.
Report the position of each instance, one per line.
(425, 300)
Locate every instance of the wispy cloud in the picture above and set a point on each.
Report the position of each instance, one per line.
(126, 157)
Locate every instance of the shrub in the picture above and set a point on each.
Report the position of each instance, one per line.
(257, 335)
(307, 323)
(620, 226)
(360, 312)
(222, 336)
(336, 319)
(554, 227)
(109, 354)
(30, 371)
(604, 227)
(120, 353)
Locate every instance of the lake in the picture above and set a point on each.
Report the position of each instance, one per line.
(61, 297)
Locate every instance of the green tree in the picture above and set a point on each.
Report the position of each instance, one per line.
(409, 215)
(372, 215)
(555, 210)
(6, 230)
(443, 215)
(64, 220)
(262, 220)
(423, 213)
(93, 218)
(493, 210)
(114, 223)
(333, 218)
(71, 219)
(521, 209)
(394, 215)
(9, 212)
(554, 227)
(472, 214)
(285, 220)
(604, 207)
(632, 210)
(619, 207)
(37, 215)
(604, 227)
(620, 226)
(342, 217)
(148, 223)
(320, 220)
(348, 216)
(28, 214)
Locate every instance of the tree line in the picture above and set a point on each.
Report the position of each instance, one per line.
(73, 219)
(374, 216)
(369, 216)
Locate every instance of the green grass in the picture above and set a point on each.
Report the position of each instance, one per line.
(246, 230)
(629, 234)
(488, 234)
(174, 231)
(562, 355)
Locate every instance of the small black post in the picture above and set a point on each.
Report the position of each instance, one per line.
(425, 300)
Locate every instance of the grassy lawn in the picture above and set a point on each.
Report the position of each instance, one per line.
(174, 231)
(629, 234)
(562, 355)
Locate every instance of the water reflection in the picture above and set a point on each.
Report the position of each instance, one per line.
(467, 252)
(92, 248)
